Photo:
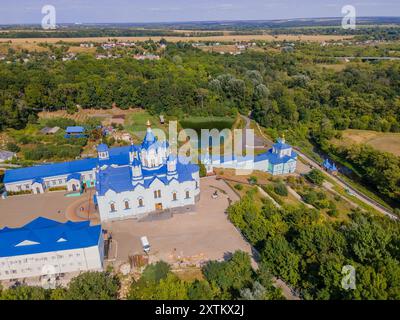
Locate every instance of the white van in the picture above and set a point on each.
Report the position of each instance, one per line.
(145, 244)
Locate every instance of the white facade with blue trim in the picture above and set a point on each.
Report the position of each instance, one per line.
(280, 159)
(45, 246)
(152, 180)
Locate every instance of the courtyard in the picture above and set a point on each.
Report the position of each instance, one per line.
(190, 236)
(16, 211)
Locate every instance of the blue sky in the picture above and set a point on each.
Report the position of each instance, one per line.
(106, 11)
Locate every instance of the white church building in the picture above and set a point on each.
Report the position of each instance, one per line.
(280, 159)
(152, 180)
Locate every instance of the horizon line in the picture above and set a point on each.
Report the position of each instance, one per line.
(195, 21)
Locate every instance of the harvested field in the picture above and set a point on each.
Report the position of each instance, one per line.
(289, 37)
(85, 114)
(382, 141)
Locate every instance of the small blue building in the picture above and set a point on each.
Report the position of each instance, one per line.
(331, 167)
(75, 132)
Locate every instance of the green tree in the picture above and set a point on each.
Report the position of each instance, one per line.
(281, 259)
(93, 286)
(316, 177)
(24, 293)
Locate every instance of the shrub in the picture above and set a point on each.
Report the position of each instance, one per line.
(203, 171)
(238, 186)
(16, 193)
(281, 189)
(333, 212)
(12, 147)
(316, 177)
(253, 180)
(58, 188)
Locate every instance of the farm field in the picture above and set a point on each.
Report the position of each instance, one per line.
(382, 141)
(85, 114)
(266, 37)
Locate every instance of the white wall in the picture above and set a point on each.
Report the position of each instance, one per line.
(33, 265)
(147, 195)
(49, 182)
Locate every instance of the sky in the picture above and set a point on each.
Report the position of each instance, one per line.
(135, 11)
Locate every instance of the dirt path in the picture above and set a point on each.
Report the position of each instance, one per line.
(360, 196)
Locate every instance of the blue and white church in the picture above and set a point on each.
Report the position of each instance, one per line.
(130, 181)
(279, 160)
(152, 180)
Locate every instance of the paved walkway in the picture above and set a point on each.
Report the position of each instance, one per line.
(202, 234)
(83, 209)
(16, 211)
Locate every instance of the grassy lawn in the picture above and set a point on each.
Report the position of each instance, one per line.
(135, 123)
(258, 198)
(198, 123)
(189, 274)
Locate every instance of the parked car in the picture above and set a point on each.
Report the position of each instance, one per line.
(145, 244)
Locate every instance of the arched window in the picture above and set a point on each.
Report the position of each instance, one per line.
(197, 184)
(157, 194)
(126, 202)
(140, 201)
(112, 207)
(174, 197)
(187, 195)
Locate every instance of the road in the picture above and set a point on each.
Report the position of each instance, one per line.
(370, 58)
(359, 195)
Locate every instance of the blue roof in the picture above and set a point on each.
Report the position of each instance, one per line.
(49, 170)
(102, 147)
(118, 156)
(274, 158)
(119, 179)
(75, 129)
(149, 139)
(329, 166)
(45, 235)
(76, 176)
(280, 145)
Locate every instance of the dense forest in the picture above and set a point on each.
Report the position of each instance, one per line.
(298, 245)
(286, 91)
(283, 90)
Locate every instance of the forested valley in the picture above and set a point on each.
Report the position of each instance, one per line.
(294, 91)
